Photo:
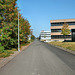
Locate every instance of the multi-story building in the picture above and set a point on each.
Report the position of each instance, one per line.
(56, 26)
(45, 36)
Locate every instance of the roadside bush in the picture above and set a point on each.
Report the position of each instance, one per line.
(1, 48)
(9, 27)
(6, 53)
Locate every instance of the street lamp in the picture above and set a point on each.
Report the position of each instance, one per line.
(31, 34)
(18, 34)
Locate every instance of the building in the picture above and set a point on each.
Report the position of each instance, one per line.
(45, 36)
(56, 26)
(73, 35)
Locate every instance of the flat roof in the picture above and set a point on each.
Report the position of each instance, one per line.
(44, 31)
(62, 20)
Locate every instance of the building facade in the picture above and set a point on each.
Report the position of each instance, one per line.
(45, 36)
(56, 26)
(73, 35)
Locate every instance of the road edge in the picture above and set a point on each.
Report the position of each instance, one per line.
(4, 61)
(67, 50)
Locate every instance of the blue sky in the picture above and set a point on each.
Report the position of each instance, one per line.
(40, 12)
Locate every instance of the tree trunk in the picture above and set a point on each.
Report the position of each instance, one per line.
(65, 38)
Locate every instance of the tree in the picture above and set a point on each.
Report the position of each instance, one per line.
(32, 37)
(65, 30)
(9, 25)
(9, 29)
(24, 30)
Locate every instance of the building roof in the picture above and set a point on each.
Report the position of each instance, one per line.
(62, 20)
(44, 31)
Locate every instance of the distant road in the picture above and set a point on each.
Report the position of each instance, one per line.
(41, 59)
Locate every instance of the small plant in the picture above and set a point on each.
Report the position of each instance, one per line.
(6, 53)
(68, 47)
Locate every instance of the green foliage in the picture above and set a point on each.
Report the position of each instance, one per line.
(24, 30)
(6, 53)
(9, 23)
(44, 36)
(33, 37)
(1, 48)
(67, 45)
(65, 29)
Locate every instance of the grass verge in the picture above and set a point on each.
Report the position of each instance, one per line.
(25, 44)
(7, 53)
(67, 45)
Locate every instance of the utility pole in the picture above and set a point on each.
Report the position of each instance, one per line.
(31, 34)
(18, 34)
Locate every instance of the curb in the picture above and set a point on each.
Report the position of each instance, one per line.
(24, 47)
(4, 61)
(67, 50)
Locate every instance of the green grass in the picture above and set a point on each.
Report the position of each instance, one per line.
(25, 44)
(7, 53)
(67, 45)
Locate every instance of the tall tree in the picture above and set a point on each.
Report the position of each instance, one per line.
(65, 30)
(8, 22)
(9, 25)
(32, 37)
(24, 29)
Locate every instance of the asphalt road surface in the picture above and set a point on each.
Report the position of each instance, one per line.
(41, 59)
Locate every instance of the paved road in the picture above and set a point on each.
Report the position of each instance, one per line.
(41, 59)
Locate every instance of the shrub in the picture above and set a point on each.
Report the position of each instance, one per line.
(1, 48)
(4, 55)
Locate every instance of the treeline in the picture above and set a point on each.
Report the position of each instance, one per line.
(9, 25)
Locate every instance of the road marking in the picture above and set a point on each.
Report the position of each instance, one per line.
(33, 73)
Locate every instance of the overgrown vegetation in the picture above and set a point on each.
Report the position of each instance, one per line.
(33, 37)
(6, 53)
(1, 49)
(9, 26)
(67, 45)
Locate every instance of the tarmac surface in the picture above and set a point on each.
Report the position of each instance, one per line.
(41, 59)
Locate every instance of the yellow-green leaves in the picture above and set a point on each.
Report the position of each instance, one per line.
(65, 29)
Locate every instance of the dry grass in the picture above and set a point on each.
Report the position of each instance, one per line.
(7, 53)
(67, 45)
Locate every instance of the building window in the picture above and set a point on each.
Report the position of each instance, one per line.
(60, 36)
(55, 30)
(61, 23)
